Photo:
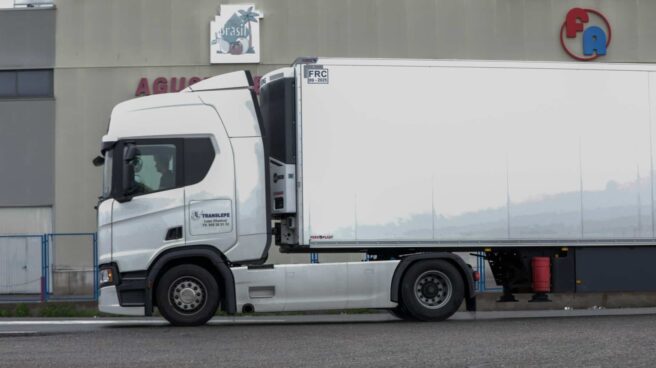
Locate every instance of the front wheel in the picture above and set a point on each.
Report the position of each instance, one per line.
(401, 312)
(187, 295)
(432, 290)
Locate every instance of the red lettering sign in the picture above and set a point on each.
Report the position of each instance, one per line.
(174, 84)
(163, 85)
(142, 88)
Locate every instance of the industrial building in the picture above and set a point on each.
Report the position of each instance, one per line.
(65, 63)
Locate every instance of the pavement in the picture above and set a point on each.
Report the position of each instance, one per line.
(554, 338)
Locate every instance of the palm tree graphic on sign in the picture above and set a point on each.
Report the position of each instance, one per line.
(248, 16)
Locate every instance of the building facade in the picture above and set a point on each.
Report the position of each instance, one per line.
(64, 67)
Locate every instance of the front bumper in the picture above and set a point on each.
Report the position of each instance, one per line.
(108, 303)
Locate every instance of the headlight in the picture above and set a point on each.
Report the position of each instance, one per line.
(106, 276)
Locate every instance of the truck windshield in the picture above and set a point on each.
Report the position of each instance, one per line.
(107, 174)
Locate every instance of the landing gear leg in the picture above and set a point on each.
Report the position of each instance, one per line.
(507, 295)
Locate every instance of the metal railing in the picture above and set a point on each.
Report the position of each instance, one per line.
(483, 285)
(55, 280)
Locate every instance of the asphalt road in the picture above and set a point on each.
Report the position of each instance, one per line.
(559, 339)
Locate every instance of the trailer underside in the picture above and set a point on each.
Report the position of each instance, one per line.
(591, 265)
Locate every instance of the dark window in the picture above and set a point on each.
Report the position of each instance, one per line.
(34, 83)
(7, 84)
(162, 164)
(154, 167)
(199, 155)
(26, 83)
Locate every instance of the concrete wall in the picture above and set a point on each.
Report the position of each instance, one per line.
(104, 47)
(26, 162)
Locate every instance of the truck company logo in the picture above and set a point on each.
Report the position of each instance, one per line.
(595, 34)
(197, 215)
(235, 35)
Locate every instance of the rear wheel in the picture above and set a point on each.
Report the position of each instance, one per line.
(432, 290)
(187, 295)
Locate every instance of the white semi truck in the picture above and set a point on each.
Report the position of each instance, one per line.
(544, 168)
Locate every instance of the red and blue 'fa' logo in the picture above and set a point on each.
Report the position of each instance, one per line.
(588, 32)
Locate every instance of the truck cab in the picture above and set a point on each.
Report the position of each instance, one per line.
(181, 171)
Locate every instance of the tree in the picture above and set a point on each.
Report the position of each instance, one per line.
(247, 17)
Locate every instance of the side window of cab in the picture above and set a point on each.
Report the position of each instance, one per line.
(150, 166)
(155, 165)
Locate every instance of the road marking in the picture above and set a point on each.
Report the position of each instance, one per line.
(375, 318)
(128, 322)
(6, 334)
(17, 332)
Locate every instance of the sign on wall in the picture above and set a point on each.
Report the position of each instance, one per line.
(585, 35)
(235, 35)
(175, 84)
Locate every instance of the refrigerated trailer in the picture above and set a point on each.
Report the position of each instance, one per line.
(544, 169)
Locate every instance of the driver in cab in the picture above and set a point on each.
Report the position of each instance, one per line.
(167, 180)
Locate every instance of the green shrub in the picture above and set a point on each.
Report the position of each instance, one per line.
(65, 310)
(22, 310)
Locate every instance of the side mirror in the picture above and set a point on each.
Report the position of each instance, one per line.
(131, 151)
(129, 186)
(98, 161)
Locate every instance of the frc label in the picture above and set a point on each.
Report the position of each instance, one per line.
(210, 217)
(316, 74)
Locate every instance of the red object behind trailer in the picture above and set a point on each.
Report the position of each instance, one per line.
(541, 274)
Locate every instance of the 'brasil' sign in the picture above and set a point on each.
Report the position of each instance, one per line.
(235, 35)
(585, 35)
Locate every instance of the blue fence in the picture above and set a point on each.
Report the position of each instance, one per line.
(19, 254)
(483, 285)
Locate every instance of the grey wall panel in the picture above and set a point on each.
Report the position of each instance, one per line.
(172, 32)
(27, 38)
(26, 144)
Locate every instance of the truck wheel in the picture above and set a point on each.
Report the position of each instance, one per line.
(432, 290)
(187, 295)
(401, 312)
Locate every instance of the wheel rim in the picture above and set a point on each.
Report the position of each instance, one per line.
(433, 289)
(187, 295)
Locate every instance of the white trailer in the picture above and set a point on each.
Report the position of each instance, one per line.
(546, 167)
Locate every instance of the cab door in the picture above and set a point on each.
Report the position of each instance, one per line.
(148, 216)
(211, 206)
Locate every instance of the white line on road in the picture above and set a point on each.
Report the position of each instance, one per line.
(16, 332)
(334, 318)
(125, 322)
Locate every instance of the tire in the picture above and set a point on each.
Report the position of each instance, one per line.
(432, 290)
(187, 295)
(401, 312)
